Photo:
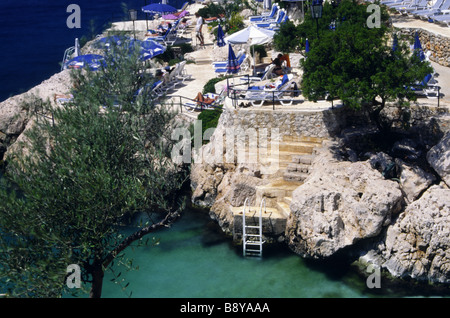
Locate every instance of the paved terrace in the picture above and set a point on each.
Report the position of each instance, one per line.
(202, 71)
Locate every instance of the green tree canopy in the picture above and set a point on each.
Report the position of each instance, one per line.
(103, 158)
(356, 63)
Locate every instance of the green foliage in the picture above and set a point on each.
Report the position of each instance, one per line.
(209, 86)
(185, 48)
(80, 177)
(286, 39)
(209, 118)
(234, 23)
(211, 10)
(259, 49)
(354, 64)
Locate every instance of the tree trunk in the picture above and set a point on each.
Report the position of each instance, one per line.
(97, 281)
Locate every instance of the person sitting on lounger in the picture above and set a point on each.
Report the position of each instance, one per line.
(278, 70)
(160, 30)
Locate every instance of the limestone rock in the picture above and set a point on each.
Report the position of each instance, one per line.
(417, 245)
(338, 205)
(413, 180)
(439, 158)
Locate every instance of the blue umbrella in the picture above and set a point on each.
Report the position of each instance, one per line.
(220, 36)
(233, 66)
(158, 8)
(418, 47)
(107, 41)
(395, 43)
(306, 47)
(150, 49)
(93, 61)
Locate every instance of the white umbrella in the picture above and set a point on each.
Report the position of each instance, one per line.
(253, 34)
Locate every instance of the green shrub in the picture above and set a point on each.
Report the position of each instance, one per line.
(211, 10)
(185, 48)
(210, 119)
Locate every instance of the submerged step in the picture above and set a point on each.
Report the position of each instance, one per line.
(303, 159)
(295, 176)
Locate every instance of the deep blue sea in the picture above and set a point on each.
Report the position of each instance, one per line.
(34, 36)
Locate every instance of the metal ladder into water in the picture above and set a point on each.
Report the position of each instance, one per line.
(252, 241)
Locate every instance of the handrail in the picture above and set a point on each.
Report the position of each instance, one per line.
(68, 52)
(260, 216)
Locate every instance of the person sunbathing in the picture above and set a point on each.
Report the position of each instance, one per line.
(202, 100)
(160, 30)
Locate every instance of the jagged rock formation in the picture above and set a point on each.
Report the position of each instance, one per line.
(439, 158)
(339, 204)
(417, 244)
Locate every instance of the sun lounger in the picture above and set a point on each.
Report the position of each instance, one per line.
(443, 17)
(428, 87)
(267, 23)
(170, 37)
(242, 61)
(412, 6)
(223, 64)
(61, 99)
(181, 74)
(427, 11)
(265, 16)
(258, 95)
(267, 74)
(217, 101)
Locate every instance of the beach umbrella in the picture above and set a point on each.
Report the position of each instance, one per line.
(113, 40)
(150, 49)
(175, 16)
(220, 36)
(307, 47)
(93, 61)
(158, 8)
(395, 43)
(233, 66)
(418, 47)
(251, 34)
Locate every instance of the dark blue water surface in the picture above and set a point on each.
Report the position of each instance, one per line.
(34, 36)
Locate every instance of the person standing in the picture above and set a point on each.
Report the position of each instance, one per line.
(198, 29)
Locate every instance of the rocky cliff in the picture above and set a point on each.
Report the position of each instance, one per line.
(345, 202)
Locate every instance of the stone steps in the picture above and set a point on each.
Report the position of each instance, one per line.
(290, 167)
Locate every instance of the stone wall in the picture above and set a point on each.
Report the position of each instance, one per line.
(438, 45)
(298, 123)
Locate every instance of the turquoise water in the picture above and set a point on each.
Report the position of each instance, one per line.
(193, 259)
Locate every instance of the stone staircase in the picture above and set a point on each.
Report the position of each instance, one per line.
(293, 166)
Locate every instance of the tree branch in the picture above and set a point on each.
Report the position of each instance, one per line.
(170, 218)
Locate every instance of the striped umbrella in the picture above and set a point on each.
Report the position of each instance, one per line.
(233, 66)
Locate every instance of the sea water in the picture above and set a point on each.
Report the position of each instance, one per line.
(194, 259)
(34, 35)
